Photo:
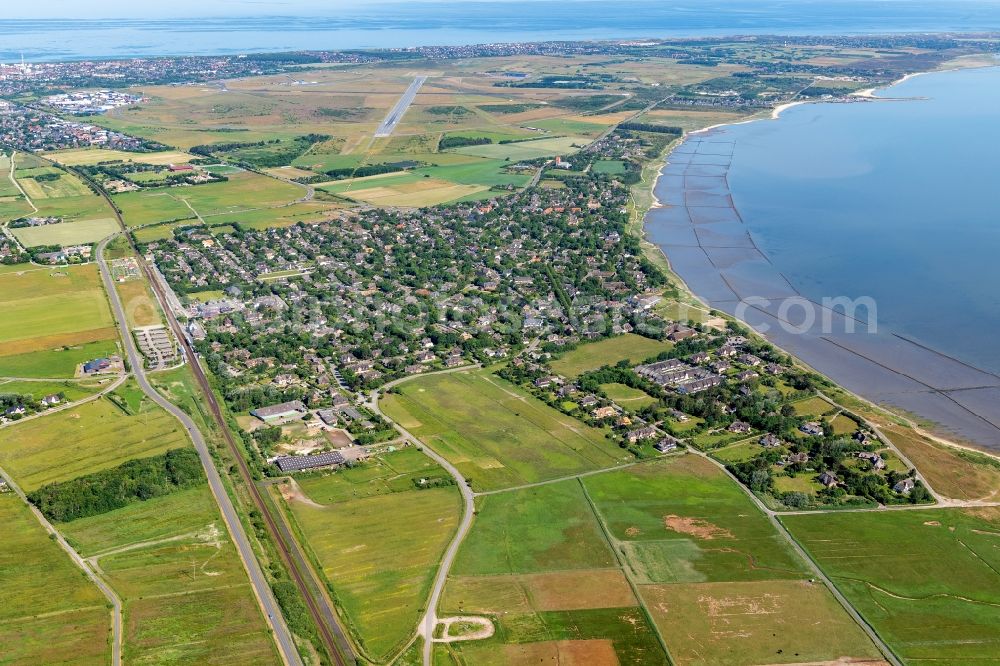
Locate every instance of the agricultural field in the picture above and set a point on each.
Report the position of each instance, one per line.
(87, 156)
(393, 472)
(78, 441)
(58, 362)
(80, 232)
(682, 520)
(379, 555)
(526, 150)
(71, 390)
(756, 622)
(243, 191)
(698, 548)
(50, 183)
(50, 308)
(630, 347)
(495, 433)
(52, 612)
(515, 533)
(141, 308)
(184, 588)
(926, 580)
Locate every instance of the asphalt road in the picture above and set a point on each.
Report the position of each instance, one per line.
(282, 635)
(399, 110)
(429, 621)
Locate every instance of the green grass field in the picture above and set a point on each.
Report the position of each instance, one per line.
(78, 156)
(516, 533)
(243, 191)
(71, 390)
(67, 233)
(526, 150)
(495, 433)
(926, 580)
(57, 362)
(51, 612)
(630, 347)
(379, 555)
(600, 636)
(613, 167)
(759, 622)
(186, 595)
(89, 438)
(812, 407)
(45, 309)
(683, 520)
(628, 397)
(392, 472)
(64, 185)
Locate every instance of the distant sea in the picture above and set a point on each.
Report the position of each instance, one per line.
(437, 22)
(896, 200)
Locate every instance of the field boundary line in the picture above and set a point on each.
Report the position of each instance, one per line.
(625, 569)
(79, 561)
(773, 516)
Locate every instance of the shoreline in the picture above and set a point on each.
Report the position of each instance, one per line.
(937, 430)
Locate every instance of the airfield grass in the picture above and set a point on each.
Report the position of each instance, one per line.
(759, 622)
(495, 433)
(243, 191)
(67, 233)
(628, 397)
(546, 528)
(963, 475)
(629, 347)
(926, 580)
(683, 520)
(392, 472)
(56, 362)
(86, 156)
(379, 555)
(89, 438)
(48, 308)
(526, 150)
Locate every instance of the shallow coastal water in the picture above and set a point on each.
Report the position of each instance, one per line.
(84, 30)
(892, 200)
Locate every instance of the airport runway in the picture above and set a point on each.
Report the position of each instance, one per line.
(397, 111)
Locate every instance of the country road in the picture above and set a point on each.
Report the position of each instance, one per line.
(262, 590)
(429, 621)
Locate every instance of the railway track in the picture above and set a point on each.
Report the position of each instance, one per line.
(331, 634)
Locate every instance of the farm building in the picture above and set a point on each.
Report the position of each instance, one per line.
(277, 412)
(298, 463)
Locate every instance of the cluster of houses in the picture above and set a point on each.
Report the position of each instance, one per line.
(90, 102)
(467, 283)
(32, 129)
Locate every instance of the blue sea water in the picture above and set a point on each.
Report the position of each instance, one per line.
(896, 200)
(333, 25)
